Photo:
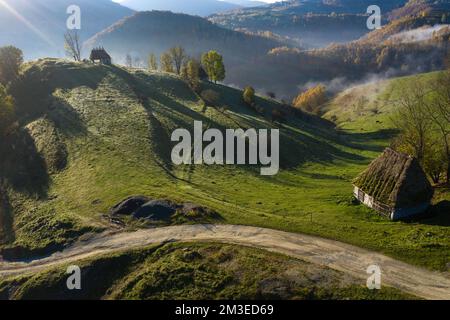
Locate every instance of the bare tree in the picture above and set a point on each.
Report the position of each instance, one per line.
(128, 61)
(137, 62)
(412, 120)
(166, 63)
(178, 55)
(438, 110)
(72, 44)
(152, 63)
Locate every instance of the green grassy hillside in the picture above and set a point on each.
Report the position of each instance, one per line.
(157, 31)
(94, 135)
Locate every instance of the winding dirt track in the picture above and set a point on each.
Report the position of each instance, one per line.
(336, 255)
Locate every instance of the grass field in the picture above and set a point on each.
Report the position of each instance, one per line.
(114, 127)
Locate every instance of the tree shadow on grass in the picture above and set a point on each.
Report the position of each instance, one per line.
(6, 217)
(438, 215)
(66, 118)
(315, 141)
(296, 148)
(23, 168)
(33, 90)
(365, 140)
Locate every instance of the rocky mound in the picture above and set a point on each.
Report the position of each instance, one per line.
(162, 210)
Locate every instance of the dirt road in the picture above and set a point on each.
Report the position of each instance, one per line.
(333, 254)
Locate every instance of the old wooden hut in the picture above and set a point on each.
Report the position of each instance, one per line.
(394, 185)
(99, 55)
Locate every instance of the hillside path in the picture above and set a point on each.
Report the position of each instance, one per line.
(336, 255)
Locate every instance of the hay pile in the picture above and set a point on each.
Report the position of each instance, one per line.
(396, 180)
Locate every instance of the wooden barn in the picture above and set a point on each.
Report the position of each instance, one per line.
(99, 55)
(394, 185)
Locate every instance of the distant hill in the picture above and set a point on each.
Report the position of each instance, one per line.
(425, 18)
(248, 3)
(406, 45)
(157, 31)
(193, 7)
(416, 8)
(37, 26)
(266, 63)
(314, 23)
(409, 29)
(302, 7)
(337, 67)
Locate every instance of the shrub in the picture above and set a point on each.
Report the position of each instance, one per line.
(278, 115)
(211, 97)
(249, 96)
(7, 112)
(311, 99)
(193, 74)
(10, 60)
(271, 94)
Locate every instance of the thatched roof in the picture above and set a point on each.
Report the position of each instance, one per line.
(397, 180)
(99, 54)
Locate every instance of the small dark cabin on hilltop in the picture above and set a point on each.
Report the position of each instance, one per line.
(395, 185)
(99, 55)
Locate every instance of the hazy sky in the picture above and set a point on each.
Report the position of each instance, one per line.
(268, 1)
